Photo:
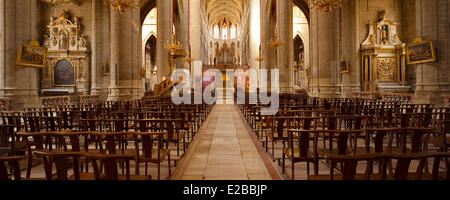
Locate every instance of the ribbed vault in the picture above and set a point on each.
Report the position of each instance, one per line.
(230, 11)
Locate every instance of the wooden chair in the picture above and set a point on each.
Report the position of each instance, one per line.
(34, 138)
(14, 162)
(63, 162)
(339, 142)
(442, 141)
(146, 153)
(302, 152)
(402, 170)
(172, 127)
(10, 143)
(110, 162)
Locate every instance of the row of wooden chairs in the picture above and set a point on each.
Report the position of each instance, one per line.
(341, 125)
(45, 132)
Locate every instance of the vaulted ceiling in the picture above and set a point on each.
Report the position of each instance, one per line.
(224, 10)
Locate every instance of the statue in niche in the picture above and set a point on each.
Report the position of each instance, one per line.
(385, 34)
(62, 41)
(72, 40)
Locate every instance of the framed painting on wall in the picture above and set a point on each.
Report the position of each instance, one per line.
(343, 64)
(32, 55)
(420, 52)
(106, 68)
(63, 74)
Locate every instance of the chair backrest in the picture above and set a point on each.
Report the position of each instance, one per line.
(379, 138)
(402, 166)
(109, 162)
(415, 137)
(303, 140)
(111, 141)
(144, 144)
(342, 140)
(14, 162)
(60, 160)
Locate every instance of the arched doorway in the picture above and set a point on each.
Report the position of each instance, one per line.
(301, 48)
(149, 39)
(150, 60)
(299, 60)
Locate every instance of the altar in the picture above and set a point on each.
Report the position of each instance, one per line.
(68, 61)
(238, 71)
(384, 58)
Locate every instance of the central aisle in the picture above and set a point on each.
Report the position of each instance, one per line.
(223, 150)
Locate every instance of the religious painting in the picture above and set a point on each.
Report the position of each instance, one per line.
(63, 74)
(344, 66)
(31, 55)
(421, 52)
(106, 68)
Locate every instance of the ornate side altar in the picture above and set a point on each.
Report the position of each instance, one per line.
(384, 58)
(67, 57)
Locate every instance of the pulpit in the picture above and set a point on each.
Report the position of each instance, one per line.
(384, 58)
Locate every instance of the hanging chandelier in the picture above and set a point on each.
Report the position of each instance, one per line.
(122, 5)
(325, 5)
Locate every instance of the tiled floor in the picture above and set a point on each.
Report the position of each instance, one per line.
(224, 150)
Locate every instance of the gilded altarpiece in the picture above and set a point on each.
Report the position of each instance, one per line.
(67, 58)
(384, 58)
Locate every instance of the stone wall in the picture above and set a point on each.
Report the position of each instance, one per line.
(20, 22)
(432, 23)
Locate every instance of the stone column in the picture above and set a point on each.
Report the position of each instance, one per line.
(254, 32)
(20, 26)
(196, 30)
(9, 47)
(115, 54)
(181, 33)
(321, 56)
(96, 64)
(432, 19)
(2, 47)
(129, 85)
(164, 37)
(285, 52)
